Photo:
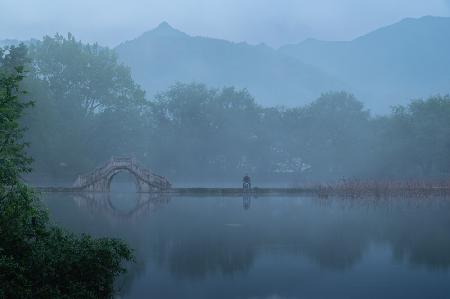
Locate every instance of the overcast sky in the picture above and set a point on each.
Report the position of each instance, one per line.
(274, 22)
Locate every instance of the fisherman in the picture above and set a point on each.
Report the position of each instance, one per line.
(246, 182)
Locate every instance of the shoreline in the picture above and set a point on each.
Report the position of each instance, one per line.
(319, 191)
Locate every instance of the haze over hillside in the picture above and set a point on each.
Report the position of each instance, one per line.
(387, 67)
(409, 59)
(162, 56)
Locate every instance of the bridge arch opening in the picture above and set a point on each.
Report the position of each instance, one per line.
(123, 181)
(99, 179)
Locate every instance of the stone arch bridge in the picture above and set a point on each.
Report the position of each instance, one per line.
(99, 180)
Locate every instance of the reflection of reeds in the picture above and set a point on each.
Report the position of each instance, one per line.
(383, 189)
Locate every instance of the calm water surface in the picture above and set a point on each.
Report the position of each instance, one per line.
(270, 247)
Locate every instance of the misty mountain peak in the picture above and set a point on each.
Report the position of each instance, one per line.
(164, 29)
(164, 26)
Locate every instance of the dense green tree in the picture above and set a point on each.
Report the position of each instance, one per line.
(415, 140)
(77, 88)
(37, 259)
(332, 127)
(13, 161)
(216, 129)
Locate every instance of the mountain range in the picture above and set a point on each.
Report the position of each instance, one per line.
(407, 60)
(389, 66)
(162, 56)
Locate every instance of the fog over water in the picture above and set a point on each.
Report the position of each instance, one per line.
(270, 247)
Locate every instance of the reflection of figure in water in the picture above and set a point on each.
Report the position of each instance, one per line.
(246, 201)
(246, 183)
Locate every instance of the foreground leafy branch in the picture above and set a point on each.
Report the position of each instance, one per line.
(38, 259)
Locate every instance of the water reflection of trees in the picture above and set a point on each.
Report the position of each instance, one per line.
(196, 239)
(422, 238)
(335, 240)
(199, 258)
(416, 230)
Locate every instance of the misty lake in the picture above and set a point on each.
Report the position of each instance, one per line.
(270, 247)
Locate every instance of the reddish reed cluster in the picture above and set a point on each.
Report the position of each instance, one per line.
(382, 189)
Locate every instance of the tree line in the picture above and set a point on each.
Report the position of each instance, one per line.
(88, 108)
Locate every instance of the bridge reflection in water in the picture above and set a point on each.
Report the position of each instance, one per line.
(145, 204)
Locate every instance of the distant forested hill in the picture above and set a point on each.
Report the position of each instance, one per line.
(162, 56)
(389, 66)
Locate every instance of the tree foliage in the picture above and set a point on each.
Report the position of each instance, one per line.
(38, 259)
(88, 108)
(224, 133)
(79, 90)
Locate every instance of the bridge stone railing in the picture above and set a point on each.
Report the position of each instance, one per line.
(99, 179)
